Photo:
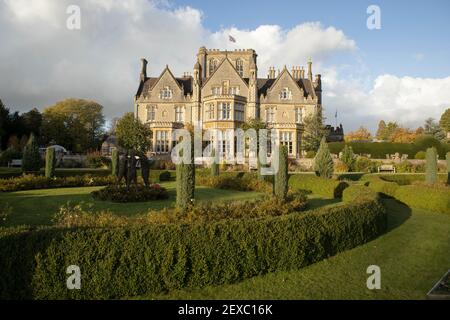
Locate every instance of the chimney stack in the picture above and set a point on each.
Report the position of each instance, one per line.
(310, 70)
(143, 69)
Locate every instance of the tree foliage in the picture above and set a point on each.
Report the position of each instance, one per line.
(323, 163)
(31, 160)
(444, 122)
(133, 134)
(76, 124)
(314, 132)
(431, 127)
(362, 134)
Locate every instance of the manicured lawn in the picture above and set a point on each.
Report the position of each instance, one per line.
(412, 256)
(37, 207)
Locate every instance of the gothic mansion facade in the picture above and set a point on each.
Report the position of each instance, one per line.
(224, 92)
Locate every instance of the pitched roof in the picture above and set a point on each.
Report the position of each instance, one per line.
(264, 84)
(147, 85)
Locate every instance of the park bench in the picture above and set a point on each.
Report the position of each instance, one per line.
(386, 168)
(15, 163)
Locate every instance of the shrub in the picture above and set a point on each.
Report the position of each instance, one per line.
(30, 182)
(433, 198)
(115, 162)
(323, 163)
(364, 164)
(214, 164)
(310, 154)
(348, 157)
(339, 166)
(431, 166)
(165, 176)
(420, 155)
(327, 188)
(129, 261)
(31, 161)
(382, 186)
(50, 162)
(281, 176)
(408, 167)
(235, 181)
(8, 155)
(358, 192)
(96, 160)
(135, 193)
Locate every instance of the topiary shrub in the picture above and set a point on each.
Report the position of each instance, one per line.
(135, 193)
(358, 192)
(185, 185)
(31, 161)
(420, 155)
(348, 157)
(281, 176)
(214, 164)
(429, 197)
(50, 162)
(115, 162)
(327, 188)
(235, 181)
(431, 166)
(386, 188)
(323, 163)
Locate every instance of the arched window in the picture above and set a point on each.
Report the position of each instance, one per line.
(212, 66)
(240, 67)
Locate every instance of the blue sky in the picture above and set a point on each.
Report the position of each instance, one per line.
(414, 39)
(399, 73)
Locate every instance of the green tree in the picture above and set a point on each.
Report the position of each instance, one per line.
(32, 121)
(381, 132)
(281, 176)
(76, 124)
(444, 122)
(314, 132)
(50, 162)
(323, 163)
(348, 157)
(133, 134)
(431, 127)
(31, 161)
(431, 166)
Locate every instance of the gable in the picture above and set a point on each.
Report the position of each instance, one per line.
(225, 72)
(283, 81)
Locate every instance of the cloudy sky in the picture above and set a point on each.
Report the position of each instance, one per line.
(400, 72)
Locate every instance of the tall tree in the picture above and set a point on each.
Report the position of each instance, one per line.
(76, 124)
(31, 161)
(361, 134)
(314, 132)
(444, 122)
(323, 163)
(381, 132)
(133, 134)
(432, 127)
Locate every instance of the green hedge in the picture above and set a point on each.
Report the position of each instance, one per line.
(327, 188)
(377, 184)
(431, 198)
(358, 192)
(130, 261)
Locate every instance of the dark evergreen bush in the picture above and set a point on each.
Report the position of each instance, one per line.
(281, 176)
(323, 163)
(135, 193)
(50, 162)
(165, 176)
(31, 161)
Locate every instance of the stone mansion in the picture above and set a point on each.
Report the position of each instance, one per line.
(223, 92)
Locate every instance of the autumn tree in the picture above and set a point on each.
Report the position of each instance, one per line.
(361, 134)
(444, 122)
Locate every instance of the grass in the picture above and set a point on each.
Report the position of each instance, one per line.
(37, 207)
(412, 256)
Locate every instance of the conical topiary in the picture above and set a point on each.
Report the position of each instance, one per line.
(431, 166)
(50, 163)
(323, 163)
(214, 164)
(115, 162)
(281, 176)
(31, 161)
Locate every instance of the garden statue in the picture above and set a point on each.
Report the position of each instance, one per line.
(145, 169)
(131, 168)
(123, 166)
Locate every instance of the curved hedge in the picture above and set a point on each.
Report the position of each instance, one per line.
(425, 197)
(382, 186)
(129, 261)
(327, 188)
(358, 192)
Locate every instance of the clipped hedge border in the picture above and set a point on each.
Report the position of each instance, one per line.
(359, 192)
(130, 261)
(327, 188)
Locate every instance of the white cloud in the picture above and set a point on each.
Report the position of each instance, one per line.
(41, 61)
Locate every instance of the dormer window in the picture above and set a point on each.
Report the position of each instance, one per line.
(285, 94)
(165, 93)
(240, 67)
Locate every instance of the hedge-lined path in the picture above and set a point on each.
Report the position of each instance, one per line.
(413, 255)
(37, 207)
